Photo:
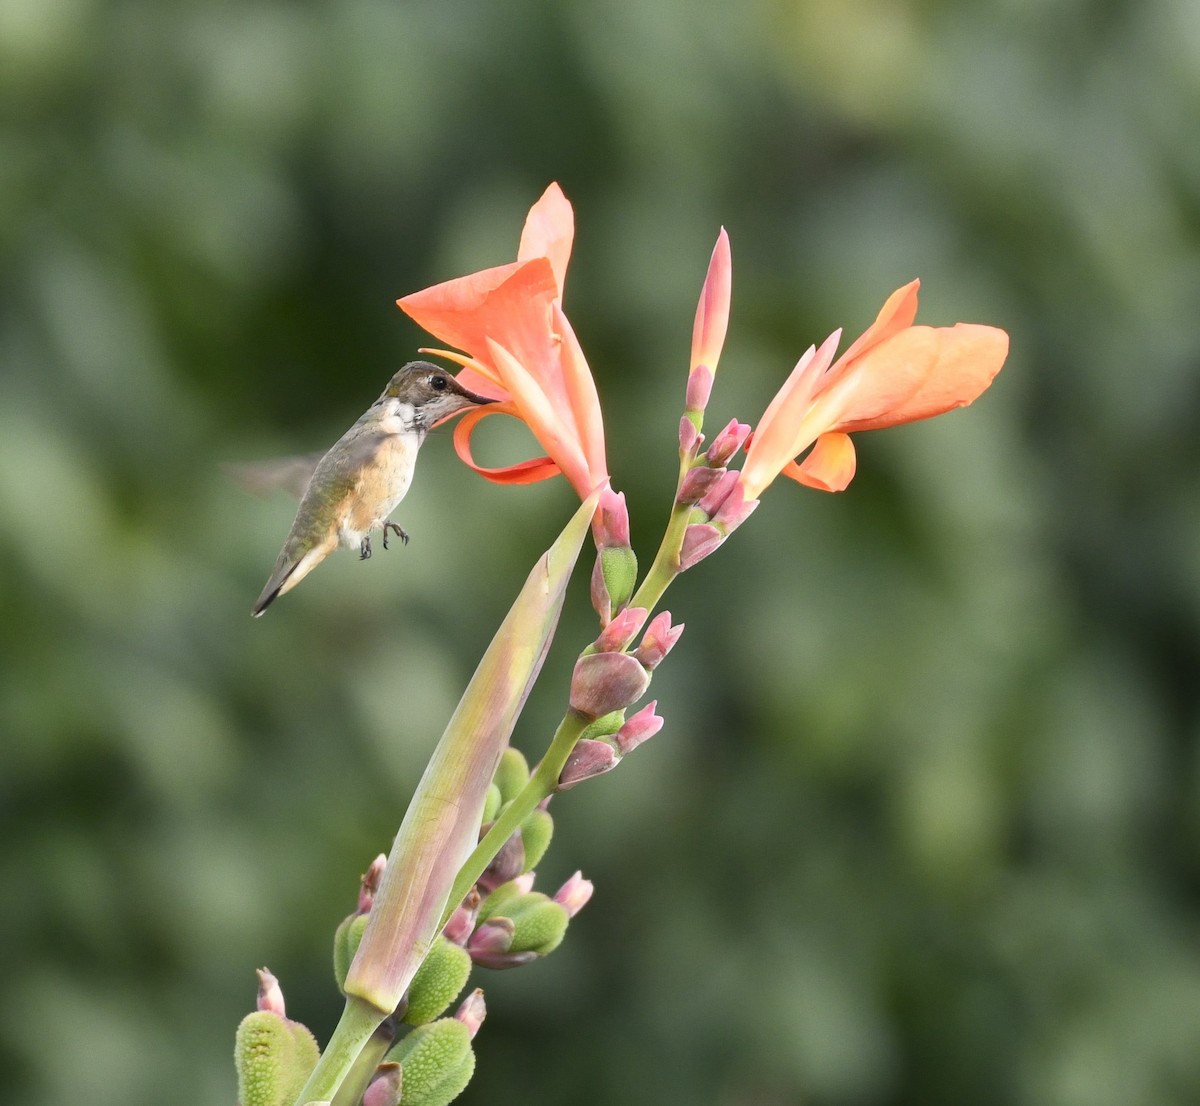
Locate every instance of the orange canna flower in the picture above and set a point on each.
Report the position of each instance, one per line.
(895, 373)
(520, 349)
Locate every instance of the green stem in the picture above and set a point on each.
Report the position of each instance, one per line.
(363, 1069)
(358, 1023)
(540, 785)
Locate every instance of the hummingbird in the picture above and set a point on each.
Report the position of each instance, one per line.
(361, 480)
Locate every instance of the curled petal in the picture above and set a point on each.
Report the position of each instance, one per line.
(523, 472)
(829, 466)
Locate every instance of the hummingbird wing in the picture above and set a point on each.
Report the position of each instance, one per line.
(290, 474)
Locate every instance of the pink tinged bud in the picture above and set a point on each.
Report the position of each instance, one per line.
(270, 994)
(462, 922)
(604, 682)
(640, 727)
(718, 493)
(575, 894)
(734, 510)
(697, 484)
(492, 938)
(658, 640)
(370, 883)
(727, 443)
(385, 1087)
(472, 1012)
(614, 519)
(588, 758)
(524, 883)
(699, 387)
(689, 438)
(507, 864)
(699, 540)
(712, 312)
(621, 630)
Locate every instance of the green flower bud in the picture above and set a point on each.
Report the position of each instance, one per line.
(439, 979)
(345, 944)
(539, 923)
(495, 902)
(437, 1061)
(604, 726)
(511, 775)
(618, 565)
(491, 804)
(274, 1057)
(536, 832)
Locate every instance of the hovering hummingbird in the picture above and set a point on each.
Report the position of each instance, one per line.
(361, 480)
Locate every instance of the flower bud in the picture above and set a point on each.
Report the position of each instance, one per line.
(605, 682)
(346, 939)
(461, 923)
(512, 774)
(270, 994)
(437, 1061)
(274, 1057)
(575, 894)
(587, 759)
(539, 923)
(699, 540)
(641, 727)
(690, 439)
(718, 493)
(494, 937)
(492, 802)
(726, 444)
(385, 1087)
(615, 573)
(508, 863)
(536, 832)
(697, 484)
(621, 630)
(712, 312)
(699, 388)
(658, 640)
(734, 509)
(472, 1011)
(437, 983)
(370, 883)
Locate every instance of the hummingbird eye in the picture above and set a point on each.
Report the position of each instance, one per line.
(438, 383)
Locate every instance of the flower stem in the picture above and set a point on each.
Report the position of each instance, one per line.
(540, 785)
(359, 1021)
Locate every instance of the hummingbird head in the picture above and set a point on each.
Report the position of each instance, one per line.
(431, 392)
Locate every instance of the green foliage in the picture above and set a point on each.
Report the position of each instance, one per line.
(921, 825)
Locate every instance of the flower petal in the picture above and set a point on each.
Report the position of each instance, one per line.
(523, 472)
(879, 382)
(829, 466)
(549, 232)
(581, 394)
(898, 312)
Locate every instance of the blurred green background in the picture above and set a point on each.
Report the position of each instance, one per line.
(922, 825)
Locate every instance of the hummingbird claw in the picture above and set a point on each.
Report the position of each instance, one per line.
(364, 549)
(401, 533)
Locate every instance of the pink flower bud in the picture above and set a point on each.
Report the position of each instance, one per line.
(270, 994)
(462, 922)
(699, 540)
(614, 520)
(689, 437)
(604, 682)
(370, 883)
(493, 938)
(588, 758)
(697, 483)
(621, 630)
(506, 864)
(658, 640)
(718, 493)
(472, 1012)
(385, 1087)
(734, 510)
(727, 443)
(574, 895)
(640, 727)
(524, 883)
(699, 387)
(712, 312)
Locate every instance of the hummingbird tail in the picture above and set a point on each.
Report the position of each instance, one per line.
(289, 571)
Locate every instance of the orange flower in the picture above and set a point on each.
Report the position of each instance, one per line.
(520, 349)
(895, 373)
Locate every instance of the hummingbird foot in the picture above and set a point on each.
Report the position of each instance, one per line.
(401, 533)
(364, 548)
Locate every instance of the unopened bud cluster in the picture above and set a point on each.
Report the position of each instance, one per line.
(274, 1055)
(713, 493)
(614, 575)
